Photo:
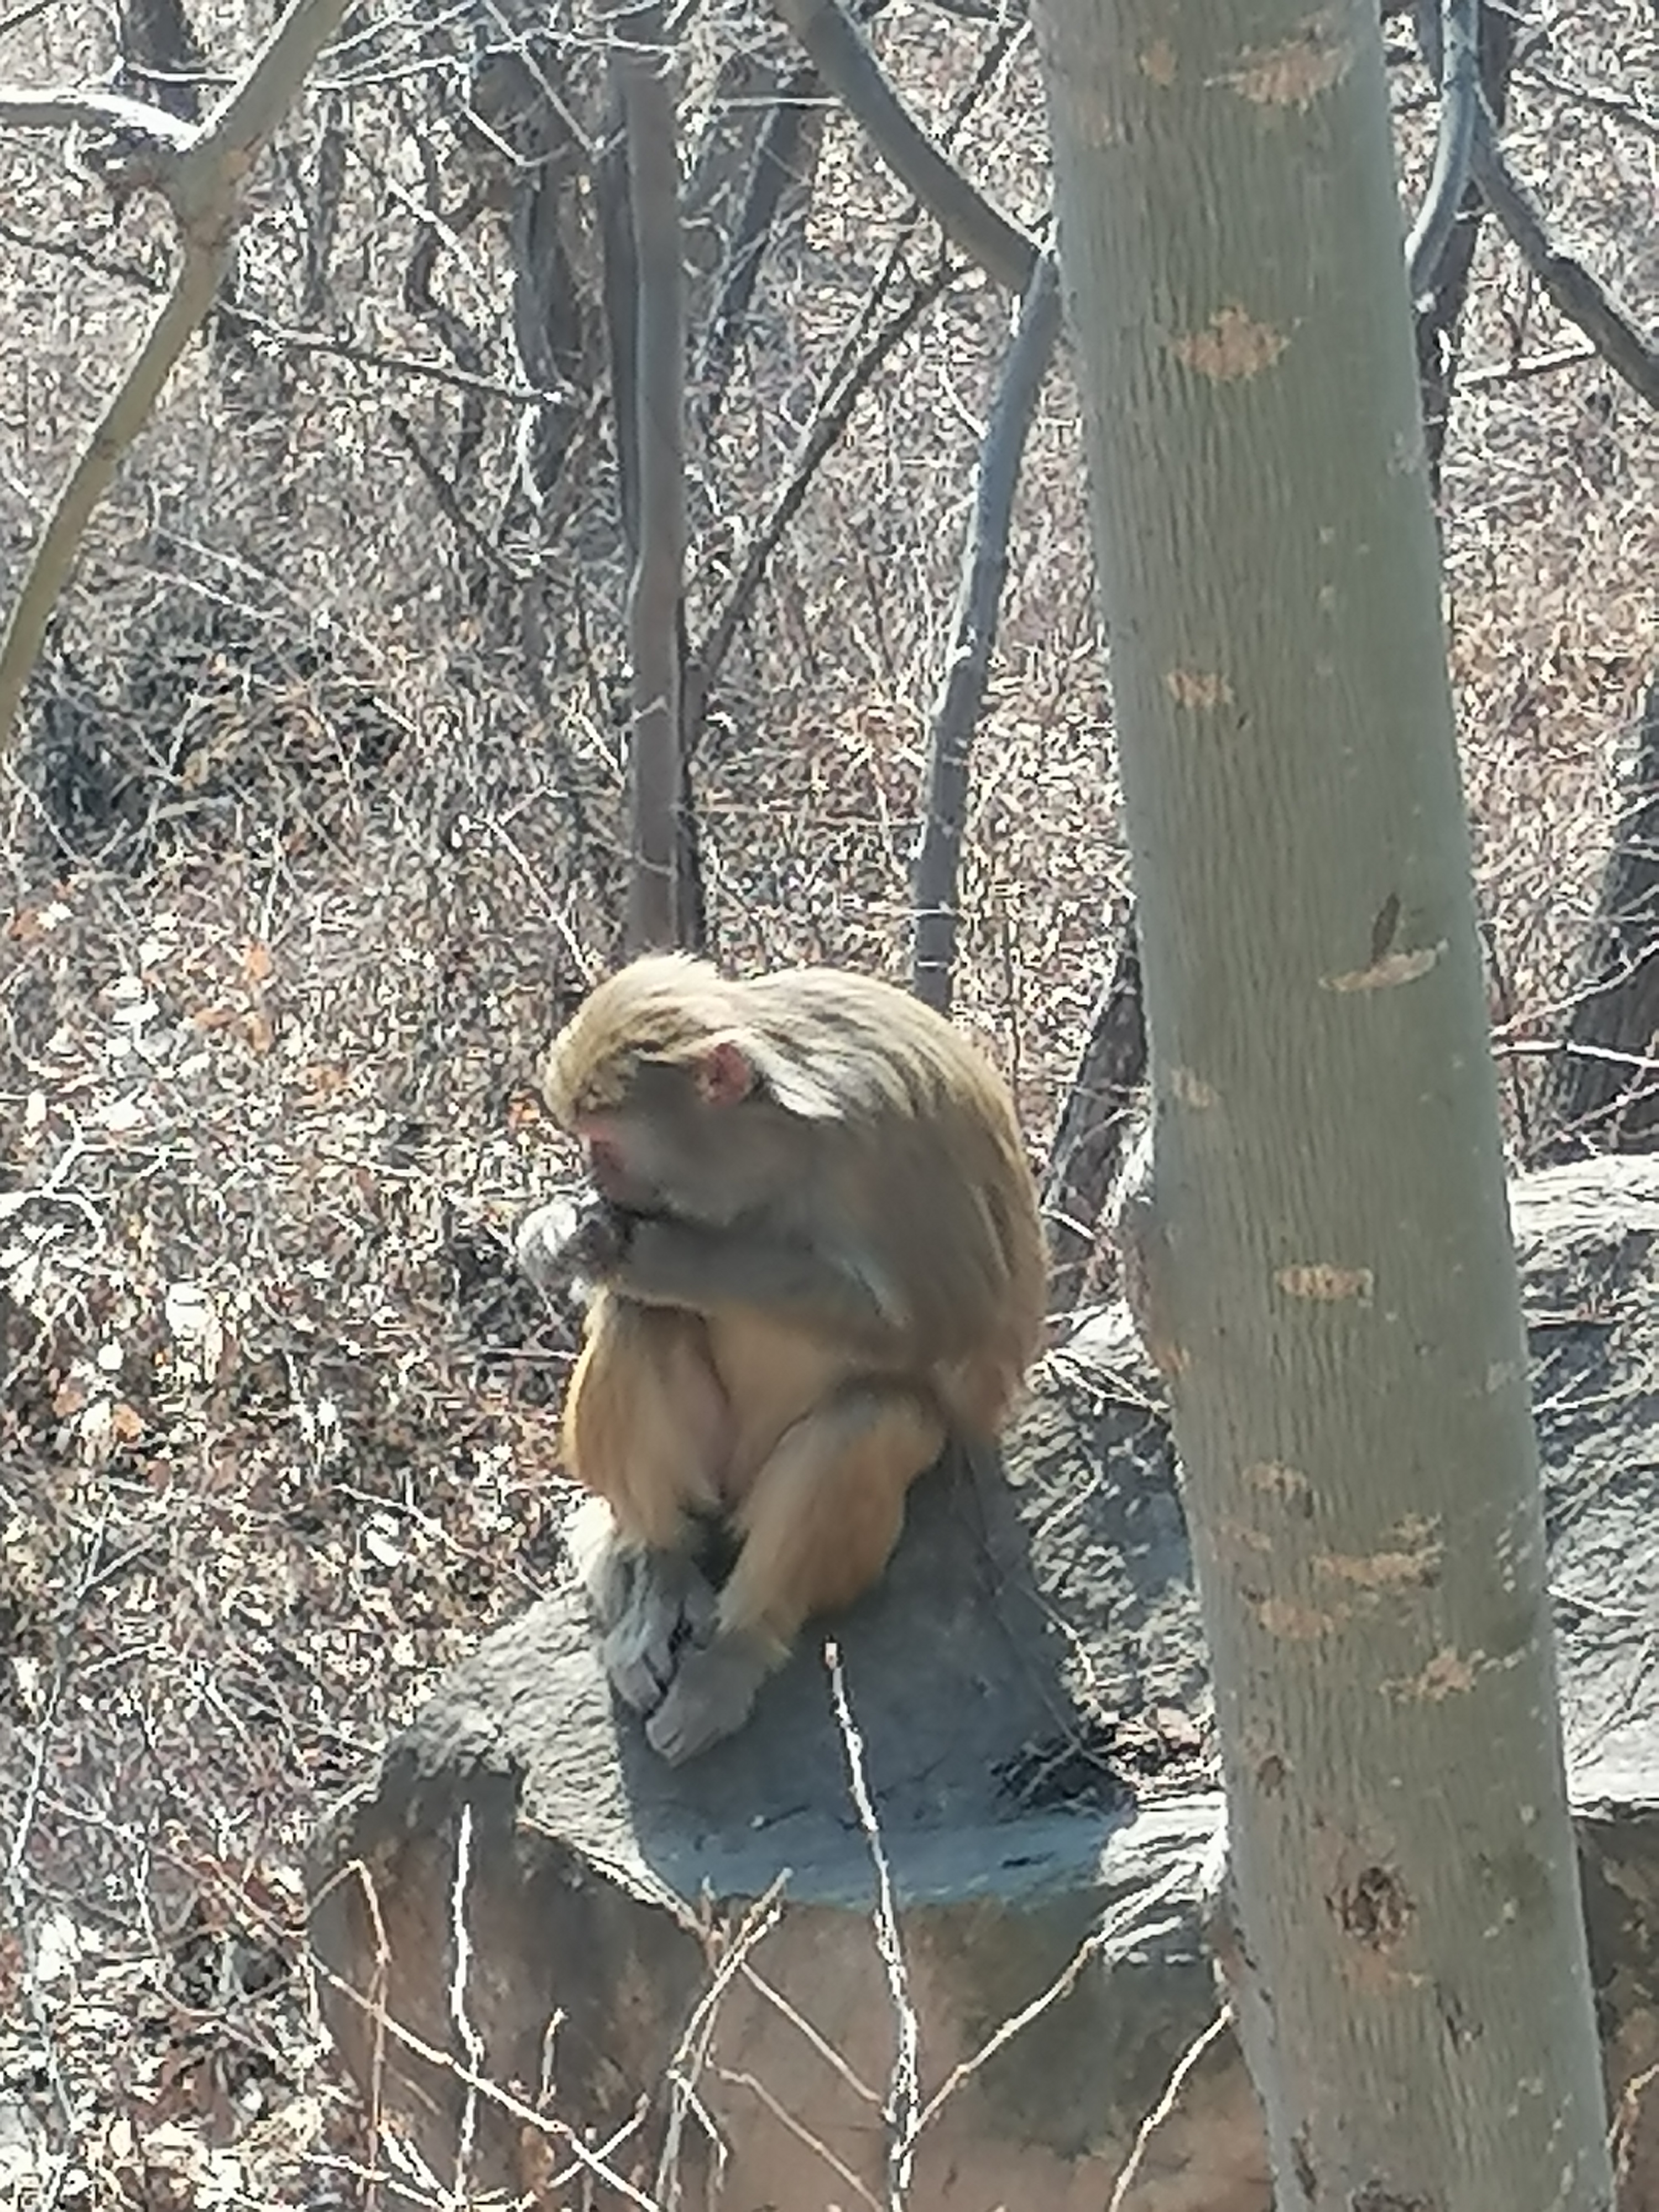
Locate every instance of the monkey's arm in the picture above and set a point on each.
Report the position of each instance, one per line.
(667, 1261)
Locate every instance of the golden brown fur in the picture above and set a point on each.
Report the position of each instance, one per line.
(819, 1256)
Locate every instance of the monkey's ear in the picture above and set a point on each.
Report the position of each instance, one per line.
(725, 1075)
(733, 1068)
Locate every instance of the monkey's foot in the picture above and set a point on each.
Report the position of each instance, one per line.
(655, 1607)
(710, 1696)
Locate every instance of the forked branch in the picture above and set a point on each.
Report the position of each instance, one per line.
(203, 175)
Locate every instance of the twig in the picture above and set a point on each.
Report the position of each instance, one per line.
(1438, 314)
(471, 2042)
(1518, 372)
(1116, 1924)
(470, 2077)
(98, 113)
(18, 16)
(973, 638)
(773, 168)
(1166, 2105)
(901, 2109)
(803, 2134)
(1088, 1146)
(692, 2050)
(1580, 296)
(1614, 105)
(396, 364)
(821, 2044)
(467, 529)
(831, 419)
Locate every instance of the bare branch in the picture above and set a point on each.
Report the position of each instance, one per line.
(162, 57)
(173, 327)
(396, 364)
(835, 410)
(1519, 372)
(26, 14)
(1581, 297)
(1613, 105)
(110, 113)
(1459, 72)
(1089, 1148)
(972, 636)
(239, 129)
(1438, 317)
(204, 189)
(844, 60)
(640, 57)
(776, 164)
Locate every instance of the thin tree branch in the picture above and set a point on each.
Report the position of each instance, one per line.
(107, 112)
(203, 184)
(1580, 296)
(1614, 105)
(641, 57)
(180, 316)
(1460, 108)
(834, 413)
(773, 169)
(973, 637)
(1438, 315)
(399, 364)
(18, 16)
(1089, 1148)
(851, 72)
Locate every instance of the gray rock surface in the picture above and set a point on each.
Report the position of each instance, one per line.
(1028, 1687)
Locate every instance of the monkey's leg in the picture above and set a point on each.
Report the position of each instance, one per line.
(648, 1428)
(818, 1527)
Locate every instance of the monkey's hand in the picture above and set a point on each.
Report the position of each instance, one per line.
(561, 1243)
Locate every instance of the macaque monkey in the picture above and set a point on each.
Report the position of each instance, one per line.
(817, 1258)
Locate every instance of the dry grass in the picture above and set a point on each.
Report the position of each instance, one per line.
(301, 871)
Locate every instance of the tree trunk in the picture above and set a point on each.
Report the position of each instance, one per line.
(1322, 1261)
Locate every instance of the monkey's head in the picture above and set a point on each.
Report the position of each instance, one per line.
(684, 1105)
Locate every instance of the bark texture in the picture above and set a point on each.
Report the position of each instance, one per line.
(1326, 1271)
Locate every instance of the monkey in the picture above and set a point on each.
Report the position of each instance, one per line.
(816, 1259)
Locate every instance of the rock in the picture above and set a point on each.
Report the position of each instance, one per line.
(657, 1962)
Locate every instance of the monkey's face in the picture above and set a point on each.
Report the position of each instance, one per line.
(618, 1158)
(700, 1141)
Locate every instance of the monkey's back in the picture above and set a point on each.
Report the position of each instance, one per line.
(932, 1163)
